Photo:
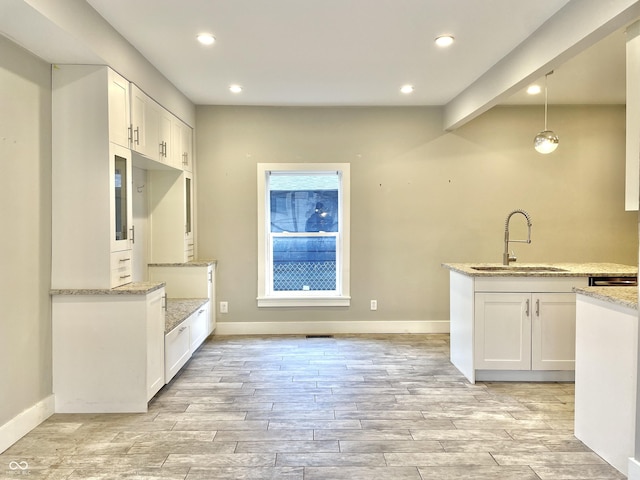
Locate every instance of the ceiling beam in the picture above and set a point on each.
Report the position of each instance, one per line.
(574, 28)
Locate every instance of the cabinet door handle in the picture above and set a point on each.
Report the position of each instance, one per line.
(122, 260)
(164, 301)
(527, 308)
(537, 307)
(182, 329)
(122, 277)
(130, 133)
(133, 233)
(137, 136)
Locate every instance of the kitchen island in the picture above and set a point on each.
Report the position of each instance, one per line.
(606, 371)
(517, 323)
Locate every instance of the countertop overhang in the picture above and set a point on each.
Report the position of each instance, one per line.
(624, 296)
(135, 288)
(568, 270)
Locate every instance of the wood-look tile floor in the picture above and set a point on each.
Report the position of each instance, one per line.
(382, 407)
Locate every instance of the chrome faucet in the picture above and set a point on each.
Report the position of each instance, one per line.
(506, 258)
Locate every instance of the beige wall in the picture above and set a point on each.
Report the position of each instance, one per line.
(25, 196)
(420, 196)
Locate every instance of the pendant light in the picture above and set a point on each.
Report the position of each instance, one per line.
(546, 141)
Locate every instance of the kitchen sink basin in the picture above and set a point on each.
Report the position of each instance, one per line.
(507, 268)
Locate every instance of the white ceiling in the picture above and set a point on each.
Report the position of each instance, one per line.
(350, 52)
(338, 52)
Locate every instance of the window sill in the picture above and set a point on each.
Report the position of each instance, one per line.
(304, 302)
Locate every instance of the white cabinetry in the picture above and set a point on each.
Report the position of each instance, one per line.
(91, 178)
(164, 135)
(119, 108)
(199, 327)
(188, 217)
(518, 328)
(108, 349)
(151, 130)
(503, 331)
(177, 349)
(182, 141)
(525, 331)
(156, 306)
(145, 124)
(632, 187)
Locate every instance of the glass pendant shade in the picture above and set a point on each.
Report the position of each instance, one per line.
(546, 142)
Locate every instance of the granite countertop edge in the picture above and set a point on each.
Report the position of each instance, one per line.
(192, 263)
(136, 288)
(623, 296)
(593, 269)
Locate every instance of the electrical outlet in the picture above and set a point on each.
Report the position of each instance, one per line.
(374, 304)
(224, 307)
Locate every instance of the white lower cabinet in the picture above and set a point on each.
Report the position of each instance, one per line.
(108, 348)
(155, 342)
(177, 350)
(199, 327)
(184, 339)
(513, 329)
(525, 331)
(503, 331)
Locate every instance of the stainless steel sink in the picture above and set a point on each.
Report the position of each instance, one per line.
(531, 268)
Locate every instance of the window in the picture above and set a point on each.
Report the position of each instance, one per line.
(303, 234)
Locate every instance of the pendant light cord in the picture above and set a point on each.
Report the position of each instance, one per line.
(546, 99)
(545, 102)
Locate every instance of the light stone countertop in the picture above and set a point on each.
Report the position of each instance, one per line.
(136, 288)
(179, 309)
(192, 263)
(570, 270)
(625, 296)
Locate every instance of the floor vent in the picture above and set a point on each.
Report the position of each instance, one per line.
(319, 336)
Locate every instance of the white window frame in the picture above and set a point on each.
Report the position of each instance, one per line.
(268, 298)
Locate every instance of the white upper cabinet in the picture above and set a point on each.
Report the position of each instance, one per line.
(164, 135)
(145, 124)
(632, 186)
(118, 109)
(182, 139)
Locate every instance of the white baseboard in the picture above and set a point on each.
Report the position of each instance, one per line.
(24, 422)
(634, 469)
(330, 327)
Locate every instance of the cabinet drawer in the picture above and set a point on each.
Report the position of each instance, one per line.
(176, 350)
(188, 250)
(121, 268)
(199, 327)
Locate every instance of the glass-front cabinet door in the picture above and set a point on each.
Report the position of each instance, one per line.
(122, 232)
(188, 217)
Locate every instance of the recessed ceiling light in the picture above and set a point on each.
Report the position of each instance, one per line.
(534, 89)
(444, 40)
(206, 38)
(235, 88)
(407, 89)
